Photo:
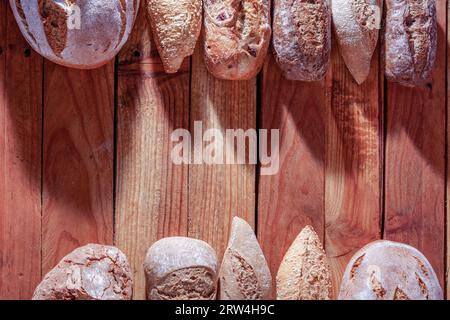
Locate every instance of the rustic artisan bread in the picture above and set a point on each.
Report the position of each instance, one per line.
(176, 25)
(356, 24)
(179, 268)
(92, 272)
(244, 273)
(410, 41)
(237, 36)
(52, 29)
(386, 270)
(302, 38)
(304, 272)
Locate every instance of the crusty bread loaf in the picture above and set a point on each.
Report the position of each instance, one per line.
(176, 25)
(304, 272)
(179, 268)
(78, 33)
(356, 24)
(302, 38)
(244, 273)
(386, 270)
(237, 36)
(92, 272)
(410, 41)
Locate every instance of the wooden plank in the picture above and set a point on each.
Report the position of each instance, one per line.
(20, 161)
(151, 192)
(447, 252)
(415, 161)
(294, 197)
(219, 192)
(353, 165)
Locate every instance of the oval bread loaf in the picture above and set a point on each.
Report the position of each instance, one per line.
(176, 25)
(92, 272)
(302, 38)
(81, 34)
(410, 41)
(304, 272)
(237, 36)
(180, 268)
(244, 273)
(386, 270)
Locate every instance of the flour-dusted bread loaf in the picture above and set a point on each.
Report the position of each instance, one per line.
(81, 34)
(386, 270)
(304, 272)
(357, 24)
(237, 37)
(176, 26)
(302, 38)
(410, 41)
(92, 272)
(180, 268)
(244, 273)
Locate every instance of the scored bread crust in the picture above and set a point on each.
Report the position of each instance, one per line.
(387, 270)
(304, 272)
(357, 29)
(410, 41)
(244, 273)
(302, 38)
(104, 28)
(176, 26)
(180, 268)
(236, 37)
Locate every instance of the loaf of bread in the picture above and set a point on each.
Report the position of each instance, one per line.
(176, 25)
(410, 41)
(304, 272)
(179, 268)
(237, 36)
(357, 24)
(92, 272)
(79, 34)
(302, 38)
(244, 273)
(386, 270)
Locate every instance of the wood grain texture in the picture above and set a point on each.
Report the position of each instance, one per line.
(294, 197)
(353, 166)
(415, 161)
(20, 161)
(447, 252)
(151, 192)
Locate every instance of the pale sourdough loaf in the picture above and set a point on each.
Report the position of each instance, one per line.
(386, 270)
(237, 36)
(410, 41)
(180, 268)
(76, 33)
(302, 38)
(176, 25)
(92, 272)
(356, 24)
(244, 273)
(304, 272)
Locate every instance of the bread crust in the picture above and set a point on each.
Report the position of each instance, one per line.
(302, 38)
(410, 41)
(236, 37)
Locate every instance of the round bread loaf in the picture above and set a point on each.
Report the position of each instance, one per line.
(180, 268)
(82, 34)
(92, 272)
(386, 270)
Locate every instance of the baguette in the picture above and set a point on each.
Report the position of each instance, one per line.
(77, 34)
(410, 41)
(386, 270)
(244, 274)
(176, 26)
(237, 36)
(302, 38)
